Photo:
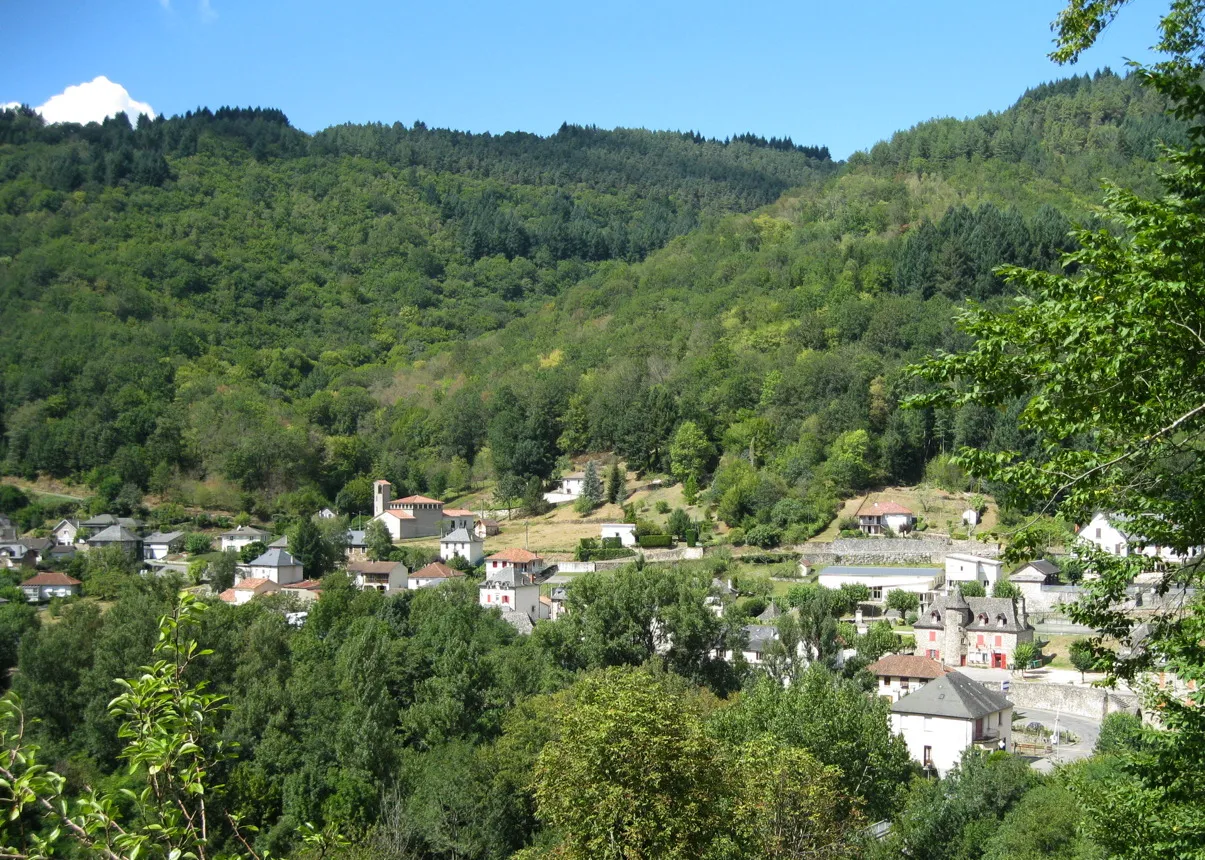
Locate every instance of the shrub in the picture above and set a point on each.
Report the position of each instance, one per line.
(692, 537)
(911, 618)
(736, 536)
(846, 524)
(656, 541)
(196, 543)
(764, 536)
(662, 507)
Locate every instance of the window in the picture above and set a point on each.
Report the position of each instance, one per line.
(999, 641)
(903, 685)
(932, 635)
(928, 756)
(1000, 620)
(876, 593)
(979, 640)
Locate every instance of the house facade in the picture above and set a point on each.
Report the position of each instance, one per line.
(244, 590)
(162, 544)
(275, 565)
(120, 537)
(462, 543)
(874, 518)
(520, 560)
(385, 576)
(49, 584)
(66, 532)
(882, 580)
(239, 536)
(901, 674)
(409, 517)
(568, 489)
(512, 590)
(435, 573)
(1107, 533)
(972, 631)
(458, 518)
(484, 528)
(308, 590)
(964, 567)
(626, 532)
(948, 716)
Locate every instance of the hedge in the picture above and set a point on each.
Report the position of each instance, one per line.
(656, 541)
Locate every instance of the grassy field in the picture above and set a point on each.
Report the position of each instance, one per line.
(1059, 648)
(940, 509)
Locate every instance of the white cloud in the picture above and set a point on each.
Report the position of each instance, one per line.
(92, 102)
(208, 13)
(10, 105)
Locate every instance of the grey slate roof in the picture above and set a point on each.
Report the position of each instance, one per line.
(860, 570)
(952, 695)
(246, 531)
(518, 620)
(275, 557)
(114, 534)
(992, 607)
(163, 537)
(1038, 570)
(458, 536)
(560, 593)
(771, 612)
(760, 635)
(280, 543)
(356, 538)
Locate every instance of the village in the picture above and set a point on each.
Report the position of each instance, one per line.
(960, 626)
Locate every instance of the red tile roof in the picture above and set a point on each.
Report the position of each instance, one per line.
(401, 515)
(51, 577)
(417, 500)
(380, 481)
(436, 570)
(227, 596)
(372, 566)
(908, 666)
(514, 556)
(880, 508)
(251, 584)
(305, 585)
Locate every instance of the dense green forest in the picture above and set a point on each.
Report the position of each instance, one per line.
(223, 310)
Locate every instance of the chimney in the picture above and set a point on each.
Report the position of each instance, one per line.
(1022, 615)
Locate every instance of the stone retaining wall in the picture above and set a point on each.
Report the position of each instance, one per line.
(931, 549)
(1092, 702)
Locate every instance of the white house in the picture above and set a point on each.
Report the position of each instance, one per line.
(244, 590)
(162, 544)
(66, 532)
(461, 543)
(970, 517)
(520, 560)
(512, 590)
(626, 532)
(1105, 532)
(47, 584)
(569, 488)
(901, 674)
(964, 567)
(326, 514)
(386, 576)
(874, 518)
(458, 518)
(949, 715)
(881, 580)
(240, 536)
(275, 564)
(435, 573)
(409, 517)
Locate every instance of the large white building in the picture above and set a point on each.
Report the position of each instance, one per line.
(882, 580)
(949, 715)
(240, 536)
(964, 567)
(409, 517)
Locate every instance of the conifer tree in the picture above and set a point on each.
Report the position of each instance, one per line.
(616, 489)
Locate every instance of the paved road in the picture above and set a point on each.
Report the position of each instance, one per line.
(1086, 728)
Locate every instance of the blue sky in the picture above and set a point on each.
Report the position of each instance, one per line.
(842, 74)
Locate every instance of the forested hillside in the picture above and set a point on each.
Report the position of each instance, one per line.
(219, 301)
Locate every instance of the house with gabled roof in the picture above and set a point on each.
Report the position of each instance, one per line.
(948, 716)
(162, 544)
(462, 543)
(276, 565)
(66, 532)
(901, 674)
(118, 536)
(972, 631)
(520, 560)
(875, 517)
(435, 573)
(384, 576)
(458, 518)
(239, 536)
(307, 589)
(49, 584)
(100, 522)
(408, 517)
(246, 589)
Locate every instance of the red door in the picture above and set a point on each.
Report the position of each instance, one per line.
(999, 661)
(962, 660)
